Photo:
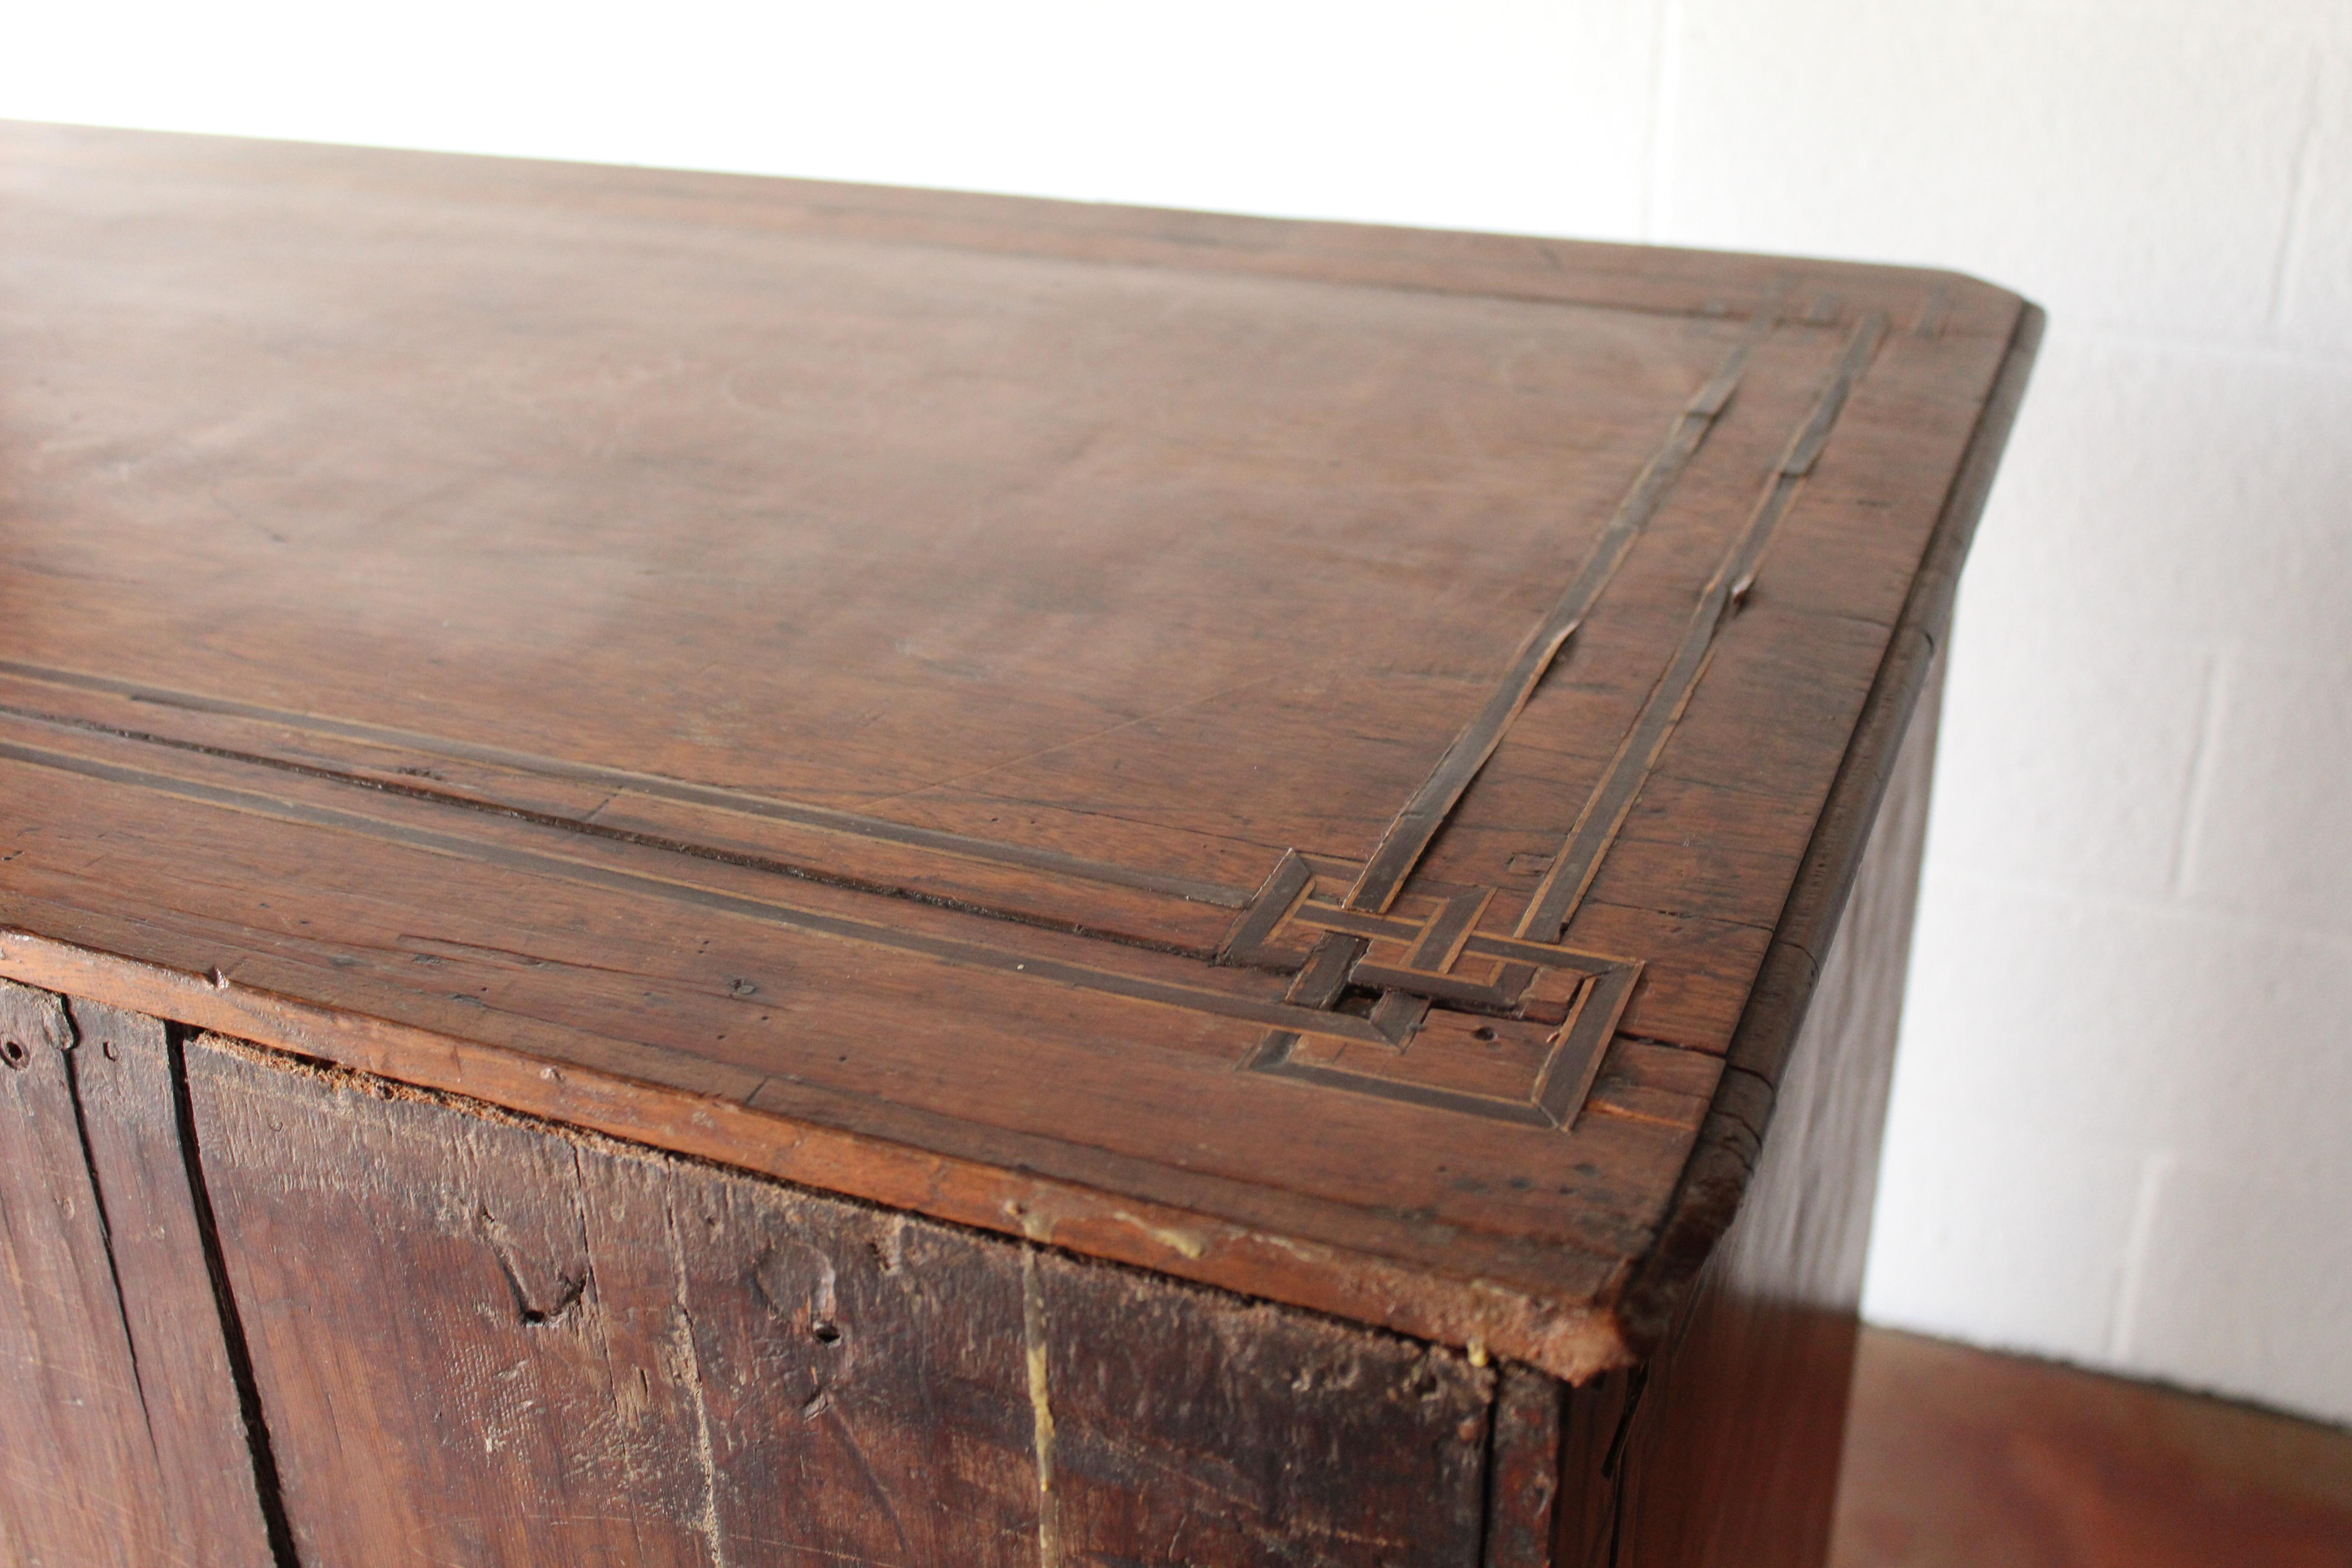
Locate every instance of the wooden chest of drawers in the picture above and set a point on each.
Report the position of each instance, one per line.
(706, 870)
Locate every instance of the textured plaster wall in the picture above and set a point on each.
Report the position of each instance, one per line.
(2120, 1123)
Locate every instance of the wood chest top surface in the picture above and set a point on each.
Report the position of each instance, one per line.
(1273, 751)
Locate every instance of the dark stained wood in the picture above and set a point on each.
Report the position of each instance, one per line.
(1961, 1458)
(1727, 1442)
(1320, 762)
(121, 1437)
(823, 617)
(1526, 1471)
(1192, 1427)
(622, 1357)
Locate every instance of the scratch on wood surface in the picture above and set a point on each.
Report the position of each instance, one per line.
(627, 1396)
(1034, 1225)
(847, 1431)
(1033, 1333)
(690, 1371)
(1182, 1241)
(530, 1312)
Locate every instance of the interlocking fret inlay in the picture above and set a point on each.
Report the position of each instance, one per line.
(1346, 946)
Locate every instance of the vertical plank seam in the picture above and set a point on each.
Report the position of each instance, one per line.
(269, 1494)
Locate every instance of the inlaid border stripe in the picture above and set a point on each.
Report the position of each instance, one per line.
(1409, 836)
(808, 922)
(824, 819)
(1571, 873)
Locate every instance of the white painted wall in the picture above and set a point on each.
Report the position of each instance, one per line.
(2119, 1126)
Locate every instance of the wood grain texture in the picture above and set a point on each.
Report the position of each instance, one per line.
(1526, 1473)
(121, 1437)
(482, 1339)
(817, 678)
(214, 1470)
(80, 1481)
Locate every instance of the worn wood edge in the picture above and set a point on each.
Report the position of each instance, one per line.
(1605, 275)
(1572, 1340)
(1730, 1141)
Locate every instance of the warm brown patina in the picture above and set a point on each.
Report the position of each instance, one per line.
(1290, 755)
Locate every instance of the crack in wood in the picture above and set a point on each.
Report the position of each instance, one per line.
(260, 1452)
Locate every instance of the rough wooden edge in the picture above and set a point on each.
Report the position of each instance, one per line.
(629, 1099)
(1730, 1142)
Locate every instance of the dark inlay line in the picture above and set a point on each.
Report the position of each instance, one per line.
(1273, 1057)
(1566, 1079)
(656, 785)
(1324, 976)
(967, 954)
(803, 873)
(1416, 826)
(1572, 870)
(1561, 1086)
(1441, 941)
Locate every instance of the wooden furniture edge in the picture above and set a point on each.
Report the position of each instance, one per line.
(1573, 1340)
(1730, 1141)
(1534, 268)
(637, 1092)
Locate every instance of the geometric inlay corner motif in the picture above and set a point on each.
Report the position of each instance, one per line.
(1447, 1013)
(1462, 1019)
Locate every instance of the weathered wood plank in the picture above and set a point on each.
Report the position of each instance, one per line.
(863, 1376)
(1190, 1427)
(416, 1286)
(78, 1477)
(213, 1467)
(1528, 1470)
(484, 1339)
(121, 1440)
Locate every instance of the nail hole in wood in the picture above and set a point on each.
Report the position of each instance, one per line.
(13, 1053)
